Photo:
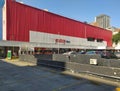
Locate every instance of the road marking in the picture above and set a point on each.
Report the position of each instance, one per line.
(69, 85)
(117, 89)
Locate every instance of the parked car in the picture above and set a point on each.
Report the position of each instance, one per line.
(93, 52)
(117, 54)
(81, 52)
(108, 54)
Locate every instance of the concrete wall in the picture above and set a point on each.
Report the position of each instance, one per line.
(79, 63)
(60, 57)
(28, 58)
(43, 56)
(85, 59)
(91, 69)
(82, 59)
(34, 58)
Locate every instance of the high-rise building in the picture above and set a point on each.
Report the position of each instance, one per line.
(103, 21)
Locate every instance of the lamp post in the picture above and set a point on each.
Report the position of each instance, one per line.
(58, 43)
(13, 44)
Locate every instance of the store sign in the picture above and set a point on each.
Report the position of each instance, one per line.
(61, 41)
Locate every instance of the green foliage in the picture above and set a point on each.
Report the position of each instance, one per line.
(116, 38)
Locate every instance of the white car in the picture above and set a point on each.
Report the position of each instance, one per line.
(117, 54)
(69, 53)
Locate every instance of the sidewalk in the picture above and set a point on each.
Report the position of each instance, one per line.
(18, 63)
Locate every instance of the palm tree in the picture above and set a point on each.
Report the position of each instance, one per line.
(116, 38)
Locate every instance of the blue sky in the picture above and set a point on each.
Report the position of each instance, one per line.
(81, 10)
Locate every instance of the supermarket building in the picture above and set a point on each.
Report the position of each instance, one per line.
(26, 26)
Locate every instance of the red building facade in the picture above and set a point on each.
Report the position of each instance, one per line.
(22, 19)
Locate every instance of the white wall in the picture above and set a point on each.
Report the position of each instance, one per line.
(4, 22)
(75, 42)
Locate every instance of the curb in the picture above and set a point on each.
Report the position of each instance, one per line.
(94, 78)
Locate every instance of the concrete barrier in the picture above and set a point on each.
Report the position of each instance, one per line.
(53, 64)
(105, 67)
(85, 59)
(92, 69)
(60, 57)
(43, 56)
(34, 58)
(28, 58)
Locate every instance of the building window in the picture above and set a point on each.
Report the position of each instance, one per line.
(99, 40)
(90, 39)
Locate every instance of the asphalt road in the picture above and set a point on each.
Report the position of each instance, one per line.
(17, 76)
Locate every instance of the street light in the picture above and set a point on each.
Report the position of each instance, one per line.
(58, 42)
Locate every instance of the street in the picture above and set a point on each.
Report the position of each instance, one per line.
(20, 76)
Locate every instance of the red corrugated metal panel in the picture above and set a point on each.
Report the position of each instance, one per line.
(21, 19)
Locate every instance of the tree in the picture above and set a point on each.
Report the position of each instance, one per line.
(116, 38)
